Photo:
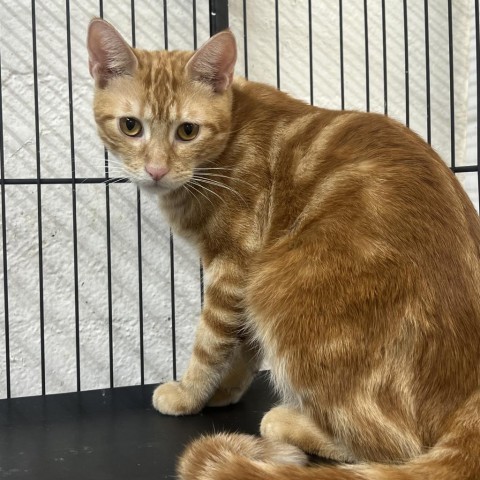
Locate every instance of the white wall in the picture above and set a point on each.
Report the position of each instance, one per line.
(54, 140)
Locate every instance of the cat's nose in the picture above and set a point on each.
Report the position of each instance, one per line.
(156, 172)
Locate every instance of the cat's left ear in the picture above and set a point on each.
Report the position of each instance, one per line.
(109, 54)
(214, 62)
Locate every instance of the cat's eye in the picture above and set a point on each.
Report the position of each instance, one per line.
(187, 131)
(131, 126)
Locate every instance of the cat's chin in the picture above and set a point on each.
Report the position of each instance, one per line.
(153, 188)
(156, 188)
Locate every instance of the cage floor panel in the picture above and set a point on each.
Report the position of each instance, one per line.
(110, 434)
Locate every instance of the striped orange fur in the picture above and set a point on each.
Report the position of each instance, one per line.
(337, 245)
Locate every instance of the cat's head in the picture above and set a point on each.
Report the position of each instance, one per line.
(162, 113)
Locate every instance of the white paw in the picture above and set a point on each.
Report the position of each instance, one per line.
(273, 425)
(171, 399)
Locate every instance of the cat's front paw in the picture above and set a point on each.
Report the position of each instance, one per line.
(173, 399)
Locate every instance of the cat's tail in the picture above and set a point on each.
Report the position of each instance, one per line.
(241, 457)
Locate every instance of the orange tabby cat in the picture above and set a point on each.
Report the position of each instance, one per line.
(337, 245)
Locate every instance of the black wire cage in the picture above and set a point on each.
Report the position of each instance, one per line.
(99, 298)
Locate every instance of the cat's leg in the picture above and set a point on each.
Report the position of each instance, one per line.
(242, 371)
(288, 425)
(216, 341)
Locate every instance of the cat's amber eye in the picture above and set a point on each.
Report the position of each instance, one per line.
(131, 126)
(187, 131)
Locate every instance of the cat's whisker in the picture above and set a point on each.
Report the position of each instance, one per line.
(117, 174)
(109, 181)
(114, 166)
(198, 190)
(185, 186)
(113, 162)
(235, 179)
(200, 186)
(118, 171)
(185, 178)
(219, 184)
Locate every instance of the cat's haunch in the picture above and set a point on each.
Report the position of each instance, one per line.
(337, 245)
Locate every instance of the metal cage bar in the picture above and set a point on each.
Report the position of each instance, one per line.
(385, 66)
(277, 42)
(477, 60)
(4, 246)
(452, 84)
(74, 198)
(427, 72)
(218, 16)
(342, 62)
(39, 200)
(407, 78)
(367, 57)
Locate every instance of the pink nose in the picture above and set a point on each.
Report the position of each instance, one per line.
(156, 172)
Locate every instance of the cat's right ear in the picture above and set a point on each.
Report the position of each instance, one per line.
(109, 54)
(213, 63)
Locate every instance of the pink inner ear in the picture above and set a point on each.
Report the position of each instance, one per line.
(95, 42)
(214, 62)
(92, 67)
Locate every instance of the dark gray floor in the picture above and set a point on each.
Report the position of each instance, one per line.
(110, 434)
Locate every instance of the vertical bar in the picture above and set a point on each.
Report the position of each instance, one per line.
(277, 43)
(477, 58)
(4, 247)
(39, 199)
(172, 297)
(139, 244)
(407, 79)
(132, 17)
(109, 266)
(310, 48)
(74, 197)
(202, 285)
(427, 73)
(367, 57)
(218, 16)
(385, 73)
(245, 37)
(194, 7)
(452, 85)
(109, 270)
(195, 47)
(342, 72)
(165, 22)
(172, 246)
(109, 255)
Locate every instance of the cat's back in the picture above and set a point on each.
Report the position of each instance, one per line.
(354, 179)
(351, 165)
(306, 147)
